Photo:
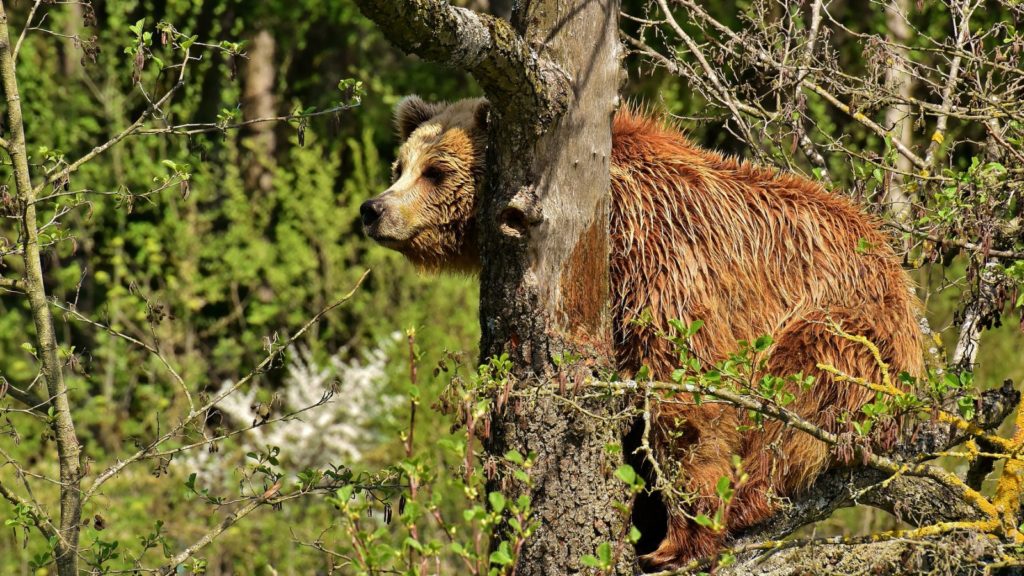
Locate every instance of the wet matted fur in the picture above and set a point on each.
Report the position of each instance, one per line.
(695, 235)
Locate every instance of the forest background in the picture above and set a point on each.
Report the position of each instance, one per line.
(214, 244)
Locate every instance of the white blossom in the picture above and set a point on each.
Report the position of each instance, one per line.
(334, 407)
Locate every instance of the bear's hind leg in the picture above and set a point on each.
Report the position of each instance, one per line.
(706, 438)
(781, 461)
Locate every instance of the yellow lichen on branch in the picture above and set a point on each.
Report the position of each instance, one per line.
(883, 366)
(1003, 510)
(940, 415)
(887, 387)
(1011, 482)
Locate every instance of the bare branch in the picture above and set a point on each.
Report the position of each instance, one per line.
(154, 108)
(971, 246)
(12, 283)
(30, 400)
(39, 517)
(763, 57)
(980, 307)
(152, 349)
(712, 75)
(962, 32)
(230, 520)
(28, 26)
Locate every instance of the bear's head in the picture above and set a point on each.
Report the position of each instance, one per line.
(428, 212)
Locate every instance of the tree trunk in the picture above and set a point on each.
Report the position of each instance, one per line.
(552, 78)
(544, 287)
(68, 449)
(258, 101)
(898, 118)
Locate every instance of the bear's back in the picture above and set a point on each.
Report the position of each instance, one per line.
(744, 248)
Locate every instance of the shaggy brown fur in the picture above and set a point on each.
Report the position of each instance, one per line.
(746, 249)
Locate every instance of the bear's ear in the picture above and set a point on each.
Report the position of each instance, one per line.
(412, 111)
(482, 115)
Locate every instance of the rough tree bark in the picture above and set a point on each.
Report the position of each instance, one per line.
(552, 78)
(544, 283)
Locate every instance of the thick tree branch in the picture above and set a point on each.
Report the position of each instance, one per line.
(949, 554)
(898, 482)
(516, 80)
(917, 500)
(939, 549)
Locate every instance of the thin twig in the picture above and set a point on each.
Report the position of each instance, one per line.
(151, 349)
(963, 31)
(24, 31)
(200, 128)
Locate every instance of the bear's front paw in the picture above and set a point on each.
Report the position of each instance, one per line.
(664, 558)
(684, 543)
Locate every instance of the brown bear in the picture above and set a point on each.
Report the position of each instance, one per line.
(749, 250)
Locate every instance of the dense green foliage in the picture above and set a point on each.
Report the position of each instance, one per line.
(211, 268)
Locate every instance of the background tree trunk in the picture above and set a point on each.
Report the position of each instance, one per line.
(898, 117)
(258, 101)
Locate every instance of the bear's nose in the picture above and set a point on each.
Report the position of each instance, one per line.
(370, 211)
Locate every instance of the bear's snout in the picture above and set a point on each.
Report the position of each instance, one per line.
(370, 211)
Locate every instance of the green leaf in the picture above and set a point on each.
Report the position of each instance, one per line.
(965, 405)
(725, 492)
(695, 326)
(626, 474)
(951, 380)
(514, 457)
(497, 500)
(413, 543)
(501, 557)
(762, 343)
